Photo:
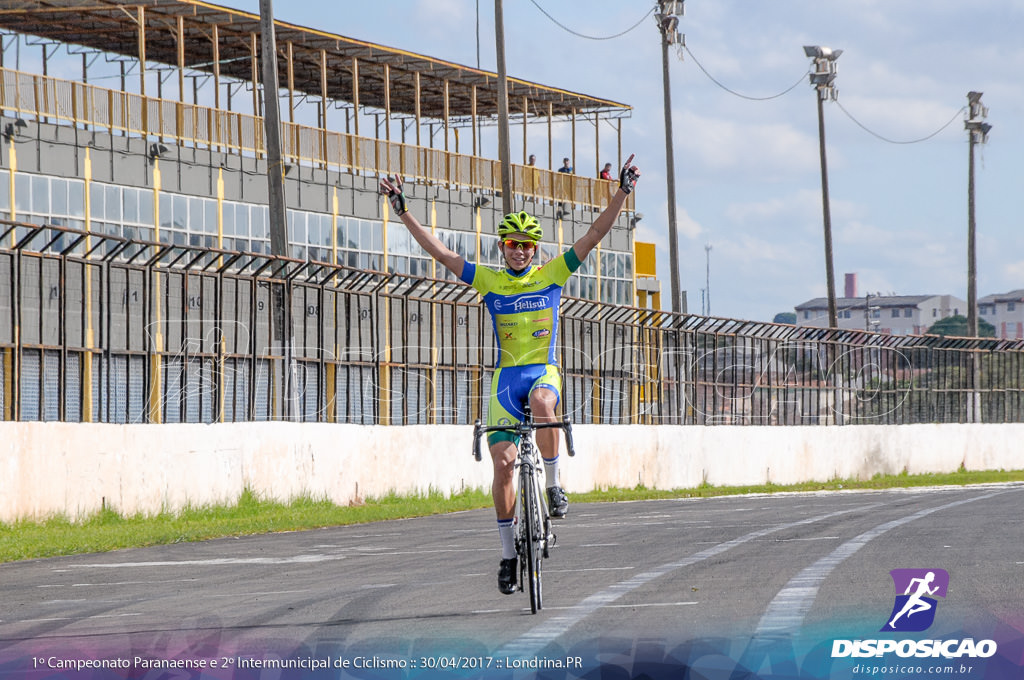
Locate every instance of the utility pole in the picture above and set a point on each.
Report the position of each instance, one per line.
(280, 299)
(272, 126)
(504, 153)
(822, 77)
(668, 21)
(977, 133)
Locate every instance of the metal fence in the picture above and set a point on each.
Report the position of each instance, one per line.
(101, 329)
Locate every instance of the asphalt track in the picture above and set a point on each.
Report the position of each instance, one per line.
(653, 585)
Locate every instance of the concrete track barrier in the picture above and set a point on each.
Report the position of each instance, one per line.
(77, 468)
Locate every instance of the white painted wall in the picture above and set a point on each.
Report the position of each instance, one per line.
(74, 468)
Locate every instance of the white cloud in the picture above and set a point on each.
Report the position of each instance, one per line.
(801, 206)
(1014, 271)
(654, 229)
(753, 251)
(735, 146)
(688, 227)
(428, 12)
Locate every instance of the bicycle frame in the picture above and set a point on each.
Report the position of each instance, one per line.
(533, 534)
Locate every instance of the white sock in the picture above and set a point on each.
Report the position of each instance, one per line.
(551, 472)
(508, 545)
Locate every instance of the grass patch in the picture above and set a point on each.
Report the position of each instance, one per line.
(107, 530)
(903, 480)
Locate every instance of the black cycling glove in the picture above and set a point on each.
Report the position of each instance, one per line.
(628, 177)
(397, 198)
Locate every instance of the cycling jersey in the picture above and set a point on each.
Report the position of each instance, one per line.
(524, 307)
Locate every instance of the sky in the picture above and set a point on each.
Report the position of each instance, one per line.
(745, 128)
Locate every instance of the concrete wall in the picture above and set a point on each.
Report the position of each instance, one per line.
(76, 468)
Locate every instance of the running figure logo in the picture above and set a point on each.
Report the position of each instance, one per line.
(914, 609)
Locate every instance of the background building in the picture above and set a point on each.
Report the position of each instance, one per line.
(889, 314)
(1005, 311)
(160, 138)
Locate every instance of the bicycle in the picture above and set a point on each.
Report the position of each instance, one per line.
(533, 535)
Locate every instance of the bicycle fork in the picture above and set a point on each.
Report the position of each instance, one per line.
(529, 475)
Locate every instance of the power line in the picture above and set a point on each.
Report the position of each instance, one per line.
(894, 141)
(841, 107)
(591, 37)
(738, 94)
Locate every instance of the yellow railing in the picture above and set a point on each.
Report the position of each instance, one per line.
(117, 112)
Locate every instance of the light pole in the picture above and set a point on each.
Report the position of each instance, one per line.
(667, 23)
(707, 275)
(977, 133)
(869, 313)
(822, 76)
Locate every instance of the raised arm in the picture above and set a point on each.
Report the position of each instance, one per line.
(628, 177)
(451, 260)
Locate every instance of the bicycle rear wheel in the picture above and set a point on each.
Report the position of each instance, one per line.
(532, 540)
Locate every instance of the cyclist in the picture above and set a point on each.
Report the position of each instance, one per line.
(523, 301)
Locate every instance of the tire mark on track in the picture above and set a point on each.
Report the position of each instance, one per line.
(786, 612)
(534, 640)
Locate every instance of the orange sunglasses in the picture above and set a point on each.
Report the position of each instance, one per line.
(519, 245)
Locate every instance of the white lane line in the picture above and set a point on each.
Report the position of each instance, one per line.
(378, 552)
(682, 523)
(62, 618)
(573, 571)
(576, 606)
(68, 618)
(785, 613)
(632, 525)
(629, 606)
(295, 559)
(809, 538)
(531, 642)
(293, 592)
(133, 583)
(114, 583)
(271, 592)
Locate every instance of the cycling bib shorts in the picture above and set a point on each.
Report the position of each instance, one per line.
(510, 390)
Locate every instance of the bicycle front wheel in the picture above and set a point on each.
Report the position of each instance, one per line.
(532, 543)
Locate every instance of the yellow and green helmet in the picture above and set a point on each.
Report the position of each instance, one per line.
(520, 223)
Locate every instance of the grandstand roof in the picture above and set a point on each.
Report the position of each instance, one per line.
(113, 26)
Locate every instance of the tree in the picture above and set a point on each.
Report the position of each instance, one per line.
(957, 327)
(785, 317)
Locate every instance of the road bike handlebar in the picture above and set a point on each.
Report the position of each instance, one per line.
(520, 429)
